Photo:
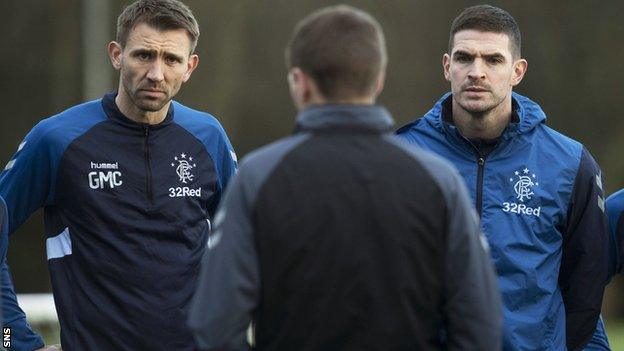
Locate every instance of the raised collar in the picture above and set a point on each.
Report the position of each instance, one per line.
(371, 118)
(447, 110)
(529, 115)
(112, 111)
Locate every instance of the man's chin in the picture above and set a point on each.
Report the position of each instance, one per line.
(151, 105)
(476, 107)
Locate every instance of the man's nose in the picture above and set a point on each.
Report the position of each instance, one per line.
(477, 70)
(155, 72)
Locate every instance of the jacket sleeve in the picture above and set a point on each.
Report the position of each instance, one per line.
(23, 338)
(473, 306)
(228, 289)
(583, 273)
(25, 187)
(615, 215)
(227, 164)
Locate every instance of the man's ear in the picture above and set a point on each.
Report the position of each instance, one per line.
(114, 53)
(446, 66)
(520, 68)
(298, 86)
(381, 81)
(191, 65)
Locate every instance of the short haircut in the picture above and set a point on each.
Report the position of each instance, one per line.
(341, 48)
(160, 14)
(487, 18)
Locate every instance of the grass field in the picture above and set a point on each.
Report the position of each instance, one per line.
(615, 330)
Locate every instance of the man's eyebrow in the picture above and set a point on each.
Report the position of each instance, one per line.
(175, 56)
(462, 53)
(143, 51)
(153, 52)
(494, 55)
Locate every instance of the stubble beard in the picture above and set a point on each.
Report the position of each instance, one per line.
(149, 105)
(143, 103)
(480, 111)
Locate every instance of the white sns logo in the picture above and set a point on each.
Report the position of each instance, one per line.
(184, 167)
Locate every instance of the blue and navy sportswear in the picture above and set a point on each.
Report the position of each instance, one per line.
(615, 212)
(127, 213)
(540, 197)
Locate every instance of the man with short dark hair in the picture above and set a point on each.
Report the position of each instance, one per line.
(129, 184)
(341, 237)
(538, 193)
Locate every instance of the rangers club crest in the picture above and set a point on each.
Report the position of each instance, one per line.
(183, 167)
(524, 184)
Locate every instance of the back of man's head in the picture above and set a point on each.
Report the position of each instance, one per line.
(342, 49)
(487, 18)
(160, 14)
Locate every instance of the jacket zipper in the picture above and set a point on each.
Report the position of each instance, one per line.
(480, 170)
(148, 165)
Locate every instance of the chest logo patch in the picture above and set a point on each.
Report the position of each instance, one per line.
(105, 175)
(183, 167)
(523, 185)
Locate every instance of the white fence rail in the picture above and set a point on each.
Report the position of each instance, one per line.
(39, 308)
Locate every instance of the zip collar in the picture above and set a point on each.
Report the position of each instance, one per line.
(529, 115)
(112, 111)
(372, 118)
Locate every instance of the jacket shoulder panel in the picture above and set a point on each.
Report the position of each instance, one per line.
(564, 144)
(259, 164)
(61, 129)
(420, 132)
(201, 124)
(615, 216)
(615, 206)
(442, 172)
(207, 129)
(36, 161)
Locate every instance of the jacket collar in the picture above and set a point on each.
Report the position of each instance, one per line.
(529, 114)
(112, 111)
(371, 118)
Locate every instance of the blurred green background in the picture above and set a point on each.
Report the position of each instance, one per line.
(54, 56)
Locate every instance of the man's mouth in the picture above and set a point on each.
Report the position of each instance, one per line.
(152, 92)
(475, 89)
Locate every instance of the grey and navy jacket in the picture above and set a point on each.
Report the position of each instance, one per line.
(127, 210)
(342, 237)
(540, 198)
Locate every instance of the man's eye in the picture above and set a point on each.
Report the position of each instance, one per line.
(143, 56)
(462, 59)
(172, 60)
